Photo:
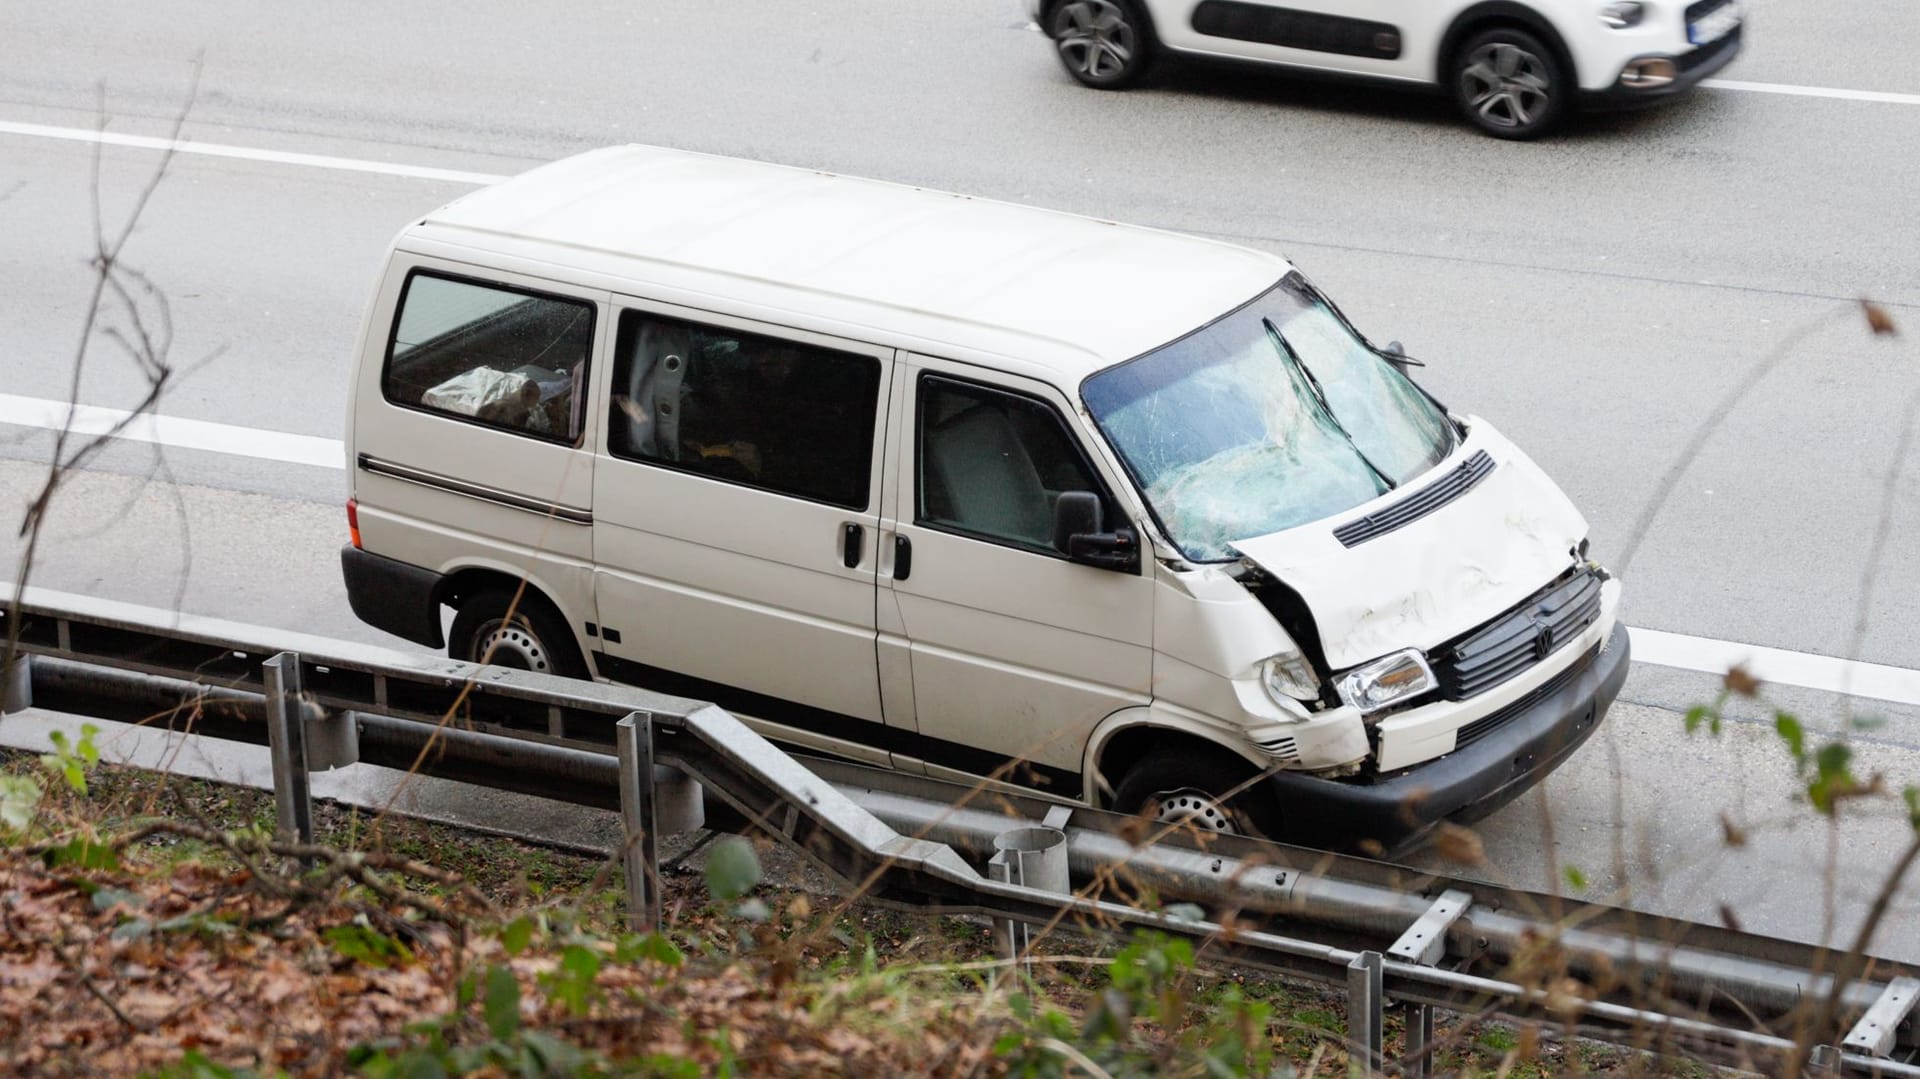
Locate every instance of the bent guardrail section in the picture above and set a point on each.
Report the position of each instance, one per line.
(1384, 932)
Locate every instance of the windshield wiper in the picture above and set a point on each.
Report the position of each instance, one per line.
(1320, 399)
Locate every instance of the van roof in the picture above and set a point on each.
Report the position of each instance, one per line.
(1064, 293)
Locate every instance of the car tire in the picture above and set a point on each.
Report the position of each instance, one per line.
(1185, 787)
(490, 628)
(1510, 84)
(1105, 44)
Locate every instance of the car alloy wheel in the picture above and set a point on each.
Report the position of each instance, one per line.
(1101, 42)
(1509, 84)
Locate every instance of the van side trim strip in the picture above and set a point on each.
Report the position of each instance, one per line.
(481, 491)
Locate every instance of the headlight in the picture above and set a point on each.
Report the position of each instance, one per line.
(1289, 676)
(1620, 15)
(1386, 681)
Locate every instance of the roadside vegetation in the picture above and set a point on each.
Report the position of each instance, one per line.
(154, 926)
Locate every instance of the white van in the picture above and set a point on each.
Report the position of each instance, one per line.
(969, 489)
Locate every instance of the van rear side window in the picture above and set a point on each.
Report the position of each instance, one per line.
(761, 411)
(493, 355)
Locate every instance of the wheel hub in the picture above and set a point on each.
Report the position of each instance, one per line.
(1094, 37)
(1506, 85)
(1194, 808)
(514, 646)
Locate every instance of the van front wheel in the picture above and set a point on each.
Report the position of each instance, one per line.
(528, 636)
(1186, 789)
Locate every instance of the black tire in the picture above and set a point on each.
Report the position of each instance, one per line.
(1185, 784)
(1105, 44)
(535, 639)
(1509, 83)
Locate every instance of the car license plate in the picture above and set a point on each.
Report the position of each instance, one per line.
(1714, 25)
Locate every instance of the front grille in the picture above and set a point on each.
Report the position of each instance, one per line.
(1425, 501)
(1705, 54)
(1523, 636)
(1487, 724)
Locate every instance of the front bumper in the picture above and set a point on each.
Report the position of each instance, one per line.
(1396, 810)
(1691, 67)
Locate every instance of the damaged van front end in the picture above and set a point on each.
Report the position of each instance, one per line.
(1401, 601)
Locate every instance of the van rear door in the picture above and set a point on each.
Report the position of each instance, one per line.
(737, 499)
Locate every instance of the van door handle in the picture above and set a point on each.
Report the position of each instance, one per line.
(902, 557)
(851, 537)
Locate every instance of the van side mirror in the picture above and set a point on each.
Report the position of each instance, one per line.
(1077, 534)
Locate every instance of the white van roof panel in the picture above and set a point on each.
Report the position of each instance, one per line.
(1067, 293)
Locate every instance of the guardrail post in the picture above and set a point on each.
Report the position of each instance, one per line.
(287, 745)
(19, 695)
(1366, 996)
(639, 843)
(1425, 943)
(1031, 858)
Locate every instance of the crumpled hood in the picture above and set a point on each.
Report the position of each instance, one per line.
(1435, 577)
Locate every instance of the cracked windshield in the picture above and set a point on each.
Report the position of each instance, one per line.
(1273, 416)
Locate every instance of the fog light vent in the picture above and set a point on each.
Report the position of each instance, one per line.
(1648, 74)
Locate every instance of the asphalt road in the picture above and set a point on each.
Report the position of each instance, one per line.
(1596, 296)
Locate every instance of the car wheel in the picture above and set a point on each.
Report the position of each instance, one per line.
(1185, 788)
(1103, 43)
(1510, 84)
(530, 638)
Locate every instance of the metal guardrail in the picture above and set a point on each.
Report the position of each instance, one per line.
(1383, 932)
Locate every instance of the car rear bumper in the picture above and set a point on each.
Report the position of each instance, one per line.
(1394, 811)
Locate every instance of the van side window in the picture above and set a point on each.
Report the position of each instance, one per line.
(992, 463)
(761, 411)
(496, 355)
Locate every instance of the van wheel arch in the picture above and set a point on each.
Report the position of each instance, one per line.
(1175, 775)
(1493, 14)
(1126, 748)
(477, 594)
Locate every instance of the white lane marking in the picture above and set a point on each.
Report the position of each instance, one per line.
(247, 153)
(1778, 666)
(1657, 647)
(177, 433)
(1880, 96)
(423, 172)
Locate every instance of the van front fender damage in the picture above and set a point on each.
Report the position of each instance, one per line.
(1436, 576)
(1329, 740)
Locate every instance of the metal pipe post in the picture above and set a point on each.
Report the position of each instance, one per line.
(19, 692)
(640, 847)
(287, 745)
(1366, 998)
(1419, 1037)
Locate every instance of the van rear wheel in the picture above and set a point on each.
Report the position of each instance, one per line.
(1186, 788)
(529, 636)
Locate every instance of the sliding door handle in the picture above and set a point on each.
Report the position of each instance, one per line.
(852, 540)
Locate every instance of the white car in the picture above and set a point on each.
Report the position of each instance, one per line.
(1513, 67)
